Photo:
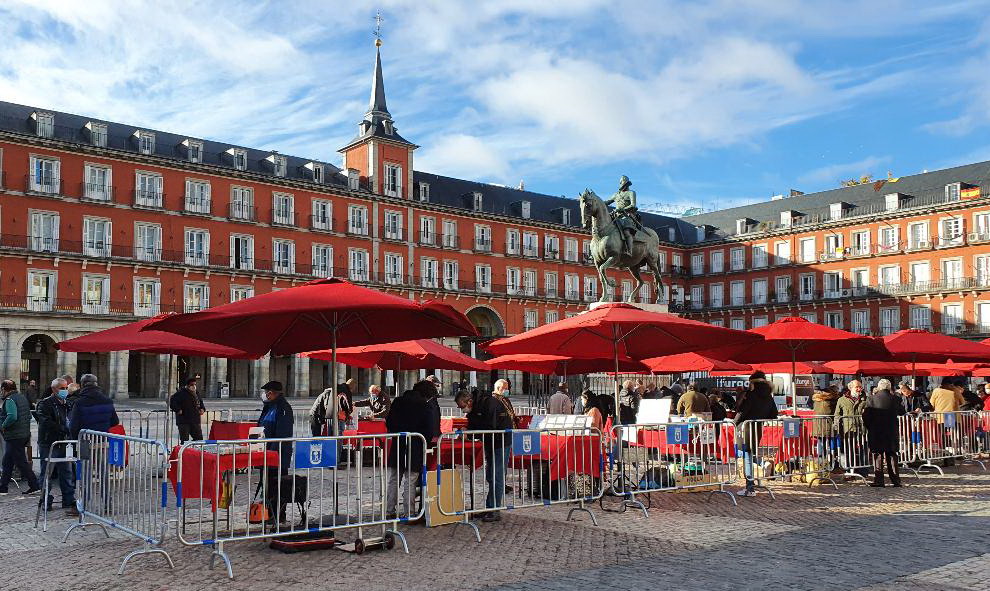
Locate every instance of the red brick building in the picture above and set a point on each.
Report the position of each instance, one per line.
(102, 223)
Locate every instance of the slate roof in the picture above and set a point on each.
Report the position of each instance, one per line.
(70, 127)
(915, 189)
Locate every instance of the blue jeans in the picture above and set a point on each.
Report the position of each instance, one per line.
(747, 466)
(495, 476)
(63, 471)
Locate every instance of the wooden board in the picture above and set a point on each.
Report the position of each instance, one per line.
(452, 490)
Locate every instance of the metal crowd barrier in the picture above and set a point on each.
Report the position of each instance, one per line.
(945, 437)
(853, 447)
(132, 421)
(118, 486)
(297, 487)
(805, 449)
(484, 472)
(669, 457)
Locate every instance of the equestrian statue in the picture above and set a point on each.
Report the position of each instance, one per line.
(619, 239)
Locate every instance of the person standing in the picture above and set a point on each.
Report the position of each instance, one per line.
(848, 423)
(53, 425)
(485, 413)
(501, 394)
(629, 400)
(345, 404)
(560, 403)
(823, 403)
(692, 402)
(914, 400)
(378, 402)
(31, 393)
(408, 414)
(188, 407)
(92, 409)
(277, 420)
(15, 428)
(880, 418)
(753, 407)
(592, 408)
(946, 398)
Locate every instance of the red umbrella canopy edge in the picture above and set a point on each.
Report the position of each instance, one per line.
(306, 317)
(414, 354)
(797, 339)
(561, 365)
(686, 362)
(921, 346)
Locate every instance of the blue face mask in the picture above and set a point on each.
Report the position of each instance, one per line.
(63, 394)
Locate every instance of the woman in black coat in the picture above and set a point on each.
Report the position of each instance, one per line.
(880, 418)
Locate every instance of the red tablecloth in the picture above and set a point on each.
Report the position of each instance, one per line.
(201, 471)
(458, 453)
(230, 429)
(772, 438)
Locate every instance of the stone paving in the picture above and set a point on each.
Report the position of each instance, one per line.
(932, 534)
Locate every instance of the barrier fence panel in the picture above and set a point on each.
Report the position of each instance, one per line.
(159, 425)
(251, 489)
(512, 469)
(669, 457)
(132, 422)
(853, 448)
(947, 437)
(119, 486)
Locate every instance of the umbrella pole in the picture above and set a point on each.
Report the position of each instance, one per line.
(615, 354)
(794, 381)
(333, 378)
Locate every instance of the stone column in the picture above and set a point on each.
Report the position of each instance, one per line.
(262, 373)
(67, 363)
(300, 368)
(10, 354)
(165, 371)
(117, 389)
(218, 373)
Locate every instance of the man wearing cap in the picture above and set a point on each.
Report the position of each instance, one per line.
(276, 418)
(188, 408)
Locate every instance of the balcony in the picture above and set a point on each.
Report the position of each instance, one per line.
(978, 237)
(950, 242)
(888, 248)
(859, 251)
(358, 274)
(392, 233)
(281, 217)
(196, 205)
(587, 259)
(97, 249)
(96, 192)
(451, 241)
(825, 256)
(531, 252)
(512, 249)
(426, 238)
(95, 307)
(590, 296)
(196, 259)
(242, 212)
(357, 228)
(482, 245)
(43, 184)
(573, 295)
(322, 223)
(783, 297)
(917, 245)
(551, 255)
(148, 198)
(393, 279)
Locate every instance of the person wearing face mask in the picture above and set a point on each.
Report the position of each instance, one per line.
(53, 425)
(276, 419)
(848, 423)
(188, 407)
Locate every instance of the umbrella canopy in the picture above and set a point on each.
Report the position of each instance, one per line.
(415, 354)
(802, 367)
(311, 316)
(685, 362)
(942, 369)
(133, 337)
(620, 330)
(562, 366)
(795, 339)
(920, 346)
(868, 368)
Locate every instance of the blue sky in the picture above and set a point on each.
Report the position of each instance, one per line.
(705, 103)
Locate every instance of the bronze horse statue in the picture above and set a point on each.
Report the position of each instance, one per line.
(607, 248)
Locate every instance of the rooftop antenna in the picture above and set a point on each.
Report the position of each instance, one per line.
(378, 28)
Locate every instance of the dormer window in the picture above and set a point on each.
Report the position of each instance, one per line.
(389, 129)
(478, 201)
(701, 233)
(353, 179)
(524, 208)
(278, 164)
(424, 192)
(44, 124)
(786, 217)
(671, 234)
(891, 201)
(145, 142)
(194, 150)
(565, 216)
(836, 210)
(239, 157)
(741, 226)
(97, 133)
(952, 192)
(317, 172)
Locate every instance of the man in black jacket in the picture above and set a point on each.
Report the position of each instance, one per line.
(53, 425)
(485, 413)
(409, 413)
(753, 407)
(92, 409)
(188, 408)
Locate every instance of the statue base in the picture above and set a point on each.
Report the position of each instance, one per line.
(660, 308)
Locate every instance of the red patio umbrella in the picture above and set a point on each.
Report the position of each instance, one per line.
(852, 367)
(797, 339)
(920, 346)
(800, 367)
(620, 331)
(685, 362)
(415, 354)
(942, 369)
(563, 366)
(133, 337)
(311, 316)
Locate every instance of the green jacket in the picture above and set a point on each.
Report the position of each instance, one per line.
(847, 407)
(15, 417)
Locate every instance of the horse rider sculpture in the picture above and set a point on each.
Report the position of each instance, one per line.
(626, 214)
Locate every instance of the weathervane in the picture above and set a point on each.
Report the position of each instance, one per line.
(378, 28)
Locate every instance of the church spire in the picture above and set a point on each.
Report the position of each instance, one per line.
(377, 109)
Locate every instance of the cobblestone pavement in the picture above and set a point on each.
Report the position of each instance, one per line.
(934, 534)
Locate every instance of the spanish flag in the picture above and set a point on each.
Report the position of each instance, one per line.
(970, 193)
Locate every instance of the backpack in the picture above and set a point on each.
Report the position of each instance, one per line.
(287, 489)
(657, 478)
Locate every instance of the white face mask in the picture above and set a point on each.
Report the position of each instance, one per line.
(264, 396)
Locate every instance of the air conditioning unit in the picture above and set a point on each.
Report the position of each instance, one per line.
(923, 245)
(846, 293)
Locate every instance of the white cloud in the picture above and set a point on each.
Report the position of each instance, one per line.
(835, 173)
(463, 156)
